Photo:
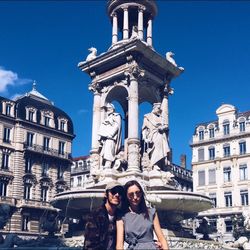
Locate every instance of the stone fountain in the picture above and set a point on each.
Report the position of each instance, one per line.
(130, 73)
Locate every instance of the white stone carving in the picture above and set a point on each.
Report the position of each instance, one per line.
(154, 134)
(134, 34)
(246, 215)
(110, 136)
(169, 57)
(92, 55)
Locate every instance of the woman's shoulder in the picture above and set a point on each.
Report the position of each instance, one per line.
(151, 211)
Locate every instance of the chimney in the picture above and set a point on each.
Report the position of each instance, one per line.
(183, 161)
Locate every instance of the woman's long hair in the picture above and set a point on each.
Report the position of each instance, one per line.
(142, 205)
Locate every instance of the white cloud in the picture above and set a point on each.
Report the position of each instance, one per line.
(10, 78)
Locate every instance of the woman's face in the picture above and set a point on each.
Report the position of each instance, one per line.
(134, 195)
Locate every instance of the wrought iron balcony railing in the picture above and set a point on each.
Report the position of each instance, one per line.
(48, 151)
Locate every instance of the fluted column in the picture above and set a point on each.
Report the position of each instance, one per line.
(115, 29)
(149, 32)
(133, 116)
(125, 23)
(140, 23)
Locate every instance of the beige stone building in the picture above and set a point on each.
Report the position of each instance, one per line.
(35, 157)
(80, 172)
(221, 166)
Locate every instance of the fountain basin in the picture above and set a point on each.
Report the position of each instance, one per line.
(178, 204)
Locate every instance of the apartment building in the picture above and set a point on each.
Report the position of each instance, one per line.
(221, 165)
(35, 158)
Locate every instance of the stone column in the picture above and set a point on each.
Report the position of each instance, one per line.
(125, 23)
(114, 29)
(94, 155)
(133, 117)
(149, 32)
(96, 120)
(140, 23)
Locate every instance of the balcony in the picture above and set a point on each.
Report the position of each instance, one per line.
(47, 151)
(6, 174)
(36, 204)
(8, 200)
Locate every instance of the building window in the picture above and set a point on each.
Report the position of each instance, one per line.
(31, 114)
(201, 154)
(3, 188)
(229, 225)
(25, 223)
(60, 173)
(5, 161)
(226, 128)
(79, 181)
(211, 176)
(71, 182)
(213, 198)
(46, 143)
(201, 135)
(242, 146)
(8, 109)
(211, 133)
(201, 178)
(46, 121)
(211, 152)
(62, 125)
(44, 194)
(228, 199)
(243, 172)
(242, 126)
(45, 169)
(227, 174)
(6, 135)
(244, 197)
(30, 137)
(226, 150)
(27, 191)
(28, 165)
(61, 147)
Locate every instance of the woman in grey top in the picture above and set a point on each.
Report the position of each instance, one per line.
(138, 222)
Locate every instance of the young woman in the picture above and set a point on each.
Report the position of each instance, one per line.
(138, 222)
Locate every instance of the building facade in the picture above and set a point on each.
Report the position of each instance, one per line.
(221, 166)
(80, 172)
(35, 158)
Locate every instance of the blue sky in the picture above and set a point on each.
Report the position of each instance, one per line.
(45, 40)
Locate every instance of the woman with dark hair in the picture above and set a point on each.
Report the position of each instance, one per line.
(138, 223)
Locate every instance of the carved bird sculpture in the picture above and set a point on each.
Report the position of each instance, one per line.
(92, 55)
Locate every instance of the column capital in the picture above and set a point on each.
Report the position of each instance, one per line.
(125, 7)
(113, 14)
(141, 8)
(134, 71)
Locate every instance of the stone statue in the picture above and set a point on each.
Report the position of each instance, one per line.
(110, 136)
(154, 135)
(221, 228)
(169, 57)
(134, 33)
(92, 55)
(246, 216)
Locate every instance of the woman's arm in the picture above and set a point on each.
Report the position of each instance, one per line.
(119, 234)
(159, 234)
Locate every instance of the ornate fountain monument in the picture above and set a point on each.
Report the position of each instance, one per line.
(129, 73)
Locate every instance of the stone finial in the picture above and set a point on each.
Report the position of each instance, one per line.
(169, 57)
